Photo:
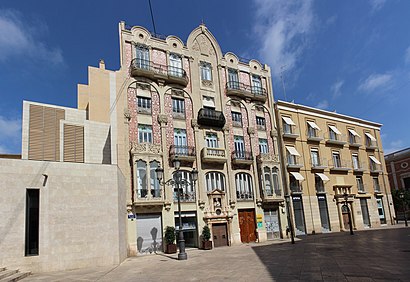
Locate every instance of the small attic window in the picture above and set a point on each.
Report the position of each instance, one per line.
(255, 67)
(174, 45)
(231, 60)
(141, 36)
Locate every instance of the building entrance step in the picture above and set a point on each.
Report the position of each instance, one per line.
(7, 275)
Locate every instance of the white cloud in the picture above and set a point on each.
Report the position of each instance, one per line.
(323, 105)
(18, 37)
(375, 81)
(336, 88)
(394, 146)
(283, 27)
(407, 55)
(377, 4)
(10, 133)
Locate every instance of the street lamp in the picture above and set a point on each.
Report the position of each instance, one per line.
(346, 197)
(402, 196)
(292, 235)
(177, 181)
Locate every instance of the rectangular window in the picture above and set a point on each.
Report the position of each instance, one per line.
(355, 161)
(32, 221)
(314, 155)
(144, 104)
(336, 159)
(233, 79)
(381, 210)
(260, 123)
(376, 184)
(360, 185)
(236, 119)
(239, 147)
(263, 146)
(175, 65)
(180, 142)
(206, 73)
(144, 133)
(211, 140)
(365, 212)
(257, 85)
(142, 57)
(178, 107)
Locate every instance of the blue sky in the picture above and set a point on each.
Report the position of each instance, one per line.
(350, 56)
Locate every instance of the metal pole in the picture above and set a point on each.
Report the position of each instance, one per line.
(182, 255)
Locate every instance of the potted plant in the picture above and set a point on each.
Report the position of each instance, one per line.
(206, 235)
(170, 246)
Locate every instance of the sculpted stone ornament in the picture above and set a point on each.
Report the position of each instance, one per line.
(147, 148)
(163, 119)
(194, 123)
(251, 130)
(127, 114)
(207, 83)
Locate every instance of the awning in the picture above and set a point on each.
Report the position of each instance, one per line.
(313, 125)
(208, 102)
(354, 132)
(375, 160)
(297, 175)
(292, 151)
(288, 121)
(322, 176)
(334, 129)
(370, 136)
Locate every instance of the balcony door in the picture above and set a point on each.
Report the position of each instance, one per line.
(175, 65)
(211, 140)
(233, 79)
(180, 142)
(142, 57)
(239, 147)
(256, 84)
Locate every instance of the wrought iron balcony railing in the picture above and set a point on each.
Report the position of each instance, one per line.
(244, 195)
(246, 91)
(182, 152)
(210, 117)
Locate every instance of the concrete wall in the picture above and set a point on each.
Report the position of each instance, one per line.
(82, 215)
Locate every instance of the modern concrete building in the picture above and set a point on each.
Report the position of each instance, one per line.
(333, 160)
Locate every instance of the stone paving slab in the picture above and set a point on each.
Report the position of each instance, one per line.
(376, 255)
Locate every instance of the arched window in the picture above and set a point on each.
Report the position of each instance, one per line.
(142, 179)
(155, 187)
(275, 178)
(244, 189)
(215, 180)
(186, 188)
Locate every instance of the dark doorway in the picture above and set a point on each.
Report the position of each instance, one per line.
(220, 235)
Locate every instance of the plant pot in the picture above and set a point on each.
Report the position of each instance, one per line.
(170, 248)
(206, 245)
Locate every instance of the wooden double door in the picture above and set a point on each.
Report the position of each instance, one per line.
(247, 224)
(220, 235)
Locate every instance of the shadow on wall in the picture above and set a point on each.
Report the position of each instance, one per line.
(151, 248)
(107, 149)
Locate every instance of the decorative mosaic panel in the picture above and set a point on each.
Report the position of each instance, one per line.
(244, 78)
(128, 56)
(156, 128)
(228, 117)
(268, 131)
(159, 57)
(245, 126)
(256, 138)
(132, 108)
(188, 116)
(223, 78)
(170, 127)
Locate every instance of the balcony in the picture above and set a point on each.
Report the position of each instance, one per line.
(182, 153)
(355, 141)
(271, 195)
(336, 139)
(149, 197)
(290, 131)
(375, 168)
(241, 90)
(318, 164)
(314, 136)
(370, 144)
(339, 165)
(242, 158)
(185, 197)
(210, 117)
(213, 155)
(294, 162)
(154, 71)
(358, 167)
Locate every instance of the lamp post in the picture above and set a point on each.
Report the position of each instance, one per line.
(177, 181)
(402, 196)
(346, 197)
(292, 235)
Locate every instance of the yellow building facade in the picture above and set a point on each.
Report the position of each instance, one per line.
(335, 166)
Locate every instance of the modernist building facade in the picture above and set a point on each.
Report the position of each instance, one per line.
(332, 160)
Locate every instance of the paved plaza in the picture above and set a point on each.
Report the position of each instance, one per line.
(373, 255)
